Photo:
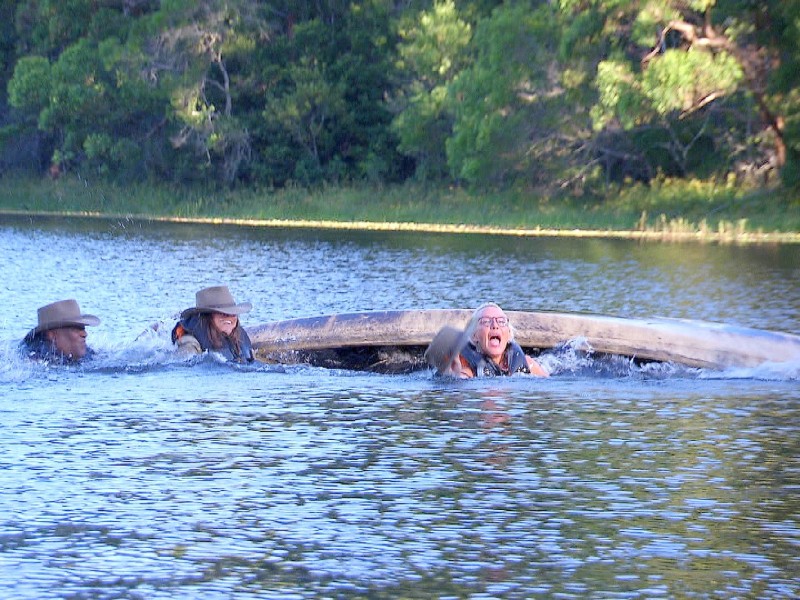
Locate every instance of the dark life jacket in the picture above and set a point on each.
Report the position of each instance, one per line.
(194, 327)
(483, 366)
(38, 347)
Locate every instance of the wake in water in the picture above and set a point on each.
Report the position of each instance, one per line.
(788, 371)
(153, 350)
(578, 359)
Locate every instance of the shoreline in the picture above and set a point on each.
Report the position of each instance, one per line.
(651, 235)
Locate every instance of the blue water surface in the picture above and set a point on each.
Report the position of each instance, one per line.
(146, 475)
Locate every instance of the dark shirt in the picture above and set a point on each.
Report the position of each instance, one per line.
(483, 366)
(39, 348)
(193, 325)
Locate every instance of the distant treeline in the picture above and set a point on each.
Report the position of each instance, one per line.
(570, 96)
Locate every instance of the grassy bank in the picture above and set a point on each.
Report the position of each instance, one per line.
(668, 210)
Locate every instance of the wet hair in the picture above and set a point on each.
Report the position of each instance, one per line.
(40, 347)
(217, 337)
(472, 325)
(36, 345)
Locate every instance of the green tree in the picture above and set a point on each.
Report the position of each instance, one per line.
(325, 118)
(48, 27)
(29, 88)
(88, 114)
(700, 70)
(186, 50)
(777, 28)
(308, 111)
(360, 53)
(433, 50)
(507, 104)
(68, 97)
(8, 39)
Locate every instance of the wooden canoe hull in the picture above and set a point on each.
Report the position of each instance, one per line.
(691, 343)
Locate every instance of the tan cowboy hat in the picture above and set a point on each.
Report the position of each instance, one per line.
(217, 299)
(445, 346)
(64, 313)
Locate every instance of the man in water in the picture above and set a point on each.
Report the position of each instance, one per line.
(60, 336)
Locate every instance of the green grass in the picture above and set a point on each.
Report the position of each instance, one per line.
(670, 209)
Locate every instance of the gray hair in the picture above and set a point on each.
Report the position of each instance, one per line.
(472, 325)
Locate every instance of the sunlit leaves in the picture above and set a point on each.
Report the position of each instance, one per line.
(702, 5)
(190, 108)
(620, 95)
(681, 80)
(432, 51)
(677, 81)
(434, 47)
(29, 88)
(652, 18)
(503, 96)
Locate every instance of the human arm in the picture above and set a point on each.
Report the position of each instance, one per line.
(444, 353)
(535, 368)
(459, 367)
(188, 344)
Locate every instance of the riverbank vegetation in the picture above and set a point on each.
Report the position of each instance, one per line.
(602, 114)
(672, 210)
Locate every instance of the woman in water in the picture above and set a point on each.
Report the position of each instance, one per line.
(213, 325)
(485, 349)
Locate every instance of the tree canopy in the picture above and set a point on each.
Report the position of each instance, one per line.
(563, 96)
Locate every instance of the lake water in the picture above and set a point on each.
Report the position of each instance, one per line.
(143, 475)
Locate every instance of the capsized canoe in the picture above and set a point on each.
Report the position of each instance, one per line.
(686, 342)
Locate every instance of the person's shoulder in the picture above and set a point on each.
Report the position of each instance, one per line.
(466, 370)
(184, 327)
(188, 344)
(471, 352)
(32, 348)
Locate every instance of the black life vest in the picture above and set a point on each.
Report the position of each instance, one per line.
(38, 347)
(483, 366)
(193, 327)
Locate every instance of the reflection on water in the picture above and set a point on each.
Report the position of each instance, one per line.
(185, 484)
(140, 272)
(145, 475)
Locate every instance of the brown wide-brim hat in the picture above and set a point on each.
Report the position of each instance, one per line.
(217, 299)
(445, 346)
(64, 313)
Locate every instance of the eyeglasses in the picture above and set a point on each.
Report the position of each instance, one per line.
(487, 321)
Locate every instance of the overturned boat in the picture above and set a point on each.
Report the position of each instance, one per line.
(394, 341)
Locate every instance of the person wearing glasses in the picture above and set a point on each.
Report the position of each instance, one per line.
(213, 325)
(60, 335)
(490, 348)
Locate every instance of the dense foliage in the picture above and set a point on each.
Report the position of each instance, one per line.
(548, 95)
